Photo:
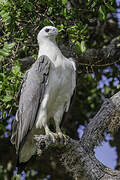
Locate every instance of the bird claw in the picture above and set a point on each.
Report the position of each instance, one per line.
(52, 136)
(58, 136)
(64, 138)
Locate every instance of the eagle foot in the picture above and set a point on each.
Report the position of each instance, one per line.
(52, 136)
(63, 138)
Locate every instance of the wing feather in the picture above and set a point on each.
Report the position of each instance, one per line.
(30, 96)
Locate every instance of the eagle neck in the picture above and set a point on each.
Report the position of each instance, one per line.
(49, 48)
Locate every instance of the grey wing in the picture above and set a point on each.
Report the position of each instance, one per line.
(66, 112)
(19, 92)
(31, 95)
(73, 67)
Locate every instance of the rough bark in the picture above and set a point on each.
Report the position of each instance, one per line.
(78, 156)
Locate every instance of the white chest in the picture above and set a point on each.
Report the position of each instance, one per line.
(60, 81)
(49, 49)
(59, 89)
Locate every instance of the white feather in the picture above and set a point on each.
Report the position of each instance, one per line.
(61, 84)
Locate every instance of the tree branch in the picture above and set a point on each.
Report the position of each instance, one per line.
(106, 120)
(92, 57)
(95, 57)
(78, 156)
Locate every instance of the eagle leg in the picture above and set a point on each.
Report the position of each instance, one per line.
(61, 136)
(53, 136)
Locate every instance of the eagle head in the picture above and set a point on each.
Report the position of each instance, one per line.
(48, 32)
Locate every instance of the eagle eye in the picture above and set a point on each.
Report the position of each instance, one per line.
(47, 30)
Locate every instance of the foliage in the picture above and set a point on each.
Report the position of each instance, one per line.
(82, 25)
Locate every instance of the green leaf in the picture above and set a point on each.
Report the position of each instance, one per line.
(84, 29)
(107, 89)
(80, 46)
(102, 13)
(89, 78)
(1, 58)
(60, 27)
(6, 49)
(50, 10)
(5, 16)
(110, 7)
(16, 177)
(4, 53)
(64, 2)
(2, 127)
(4, 114)
(28, 6)
(92, 105)
(93, 4)
(8, 106)
(2, 75)
(7, 98)
(77, 46)
(65, 12)
(83, 46)
(16, 69)
(9, 46)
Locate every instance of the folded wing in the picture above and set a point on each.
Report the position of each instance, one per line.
(30, 97)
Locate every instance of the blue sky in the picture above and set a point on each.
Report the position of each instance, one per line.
(104, 153)
(118, 12)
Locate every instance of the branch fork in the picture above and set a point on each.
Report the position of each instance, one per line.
(78, 156)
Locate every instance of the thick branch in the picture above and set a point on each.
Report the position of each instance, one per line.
(73, 156)
(106, 120)
(78, 156)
